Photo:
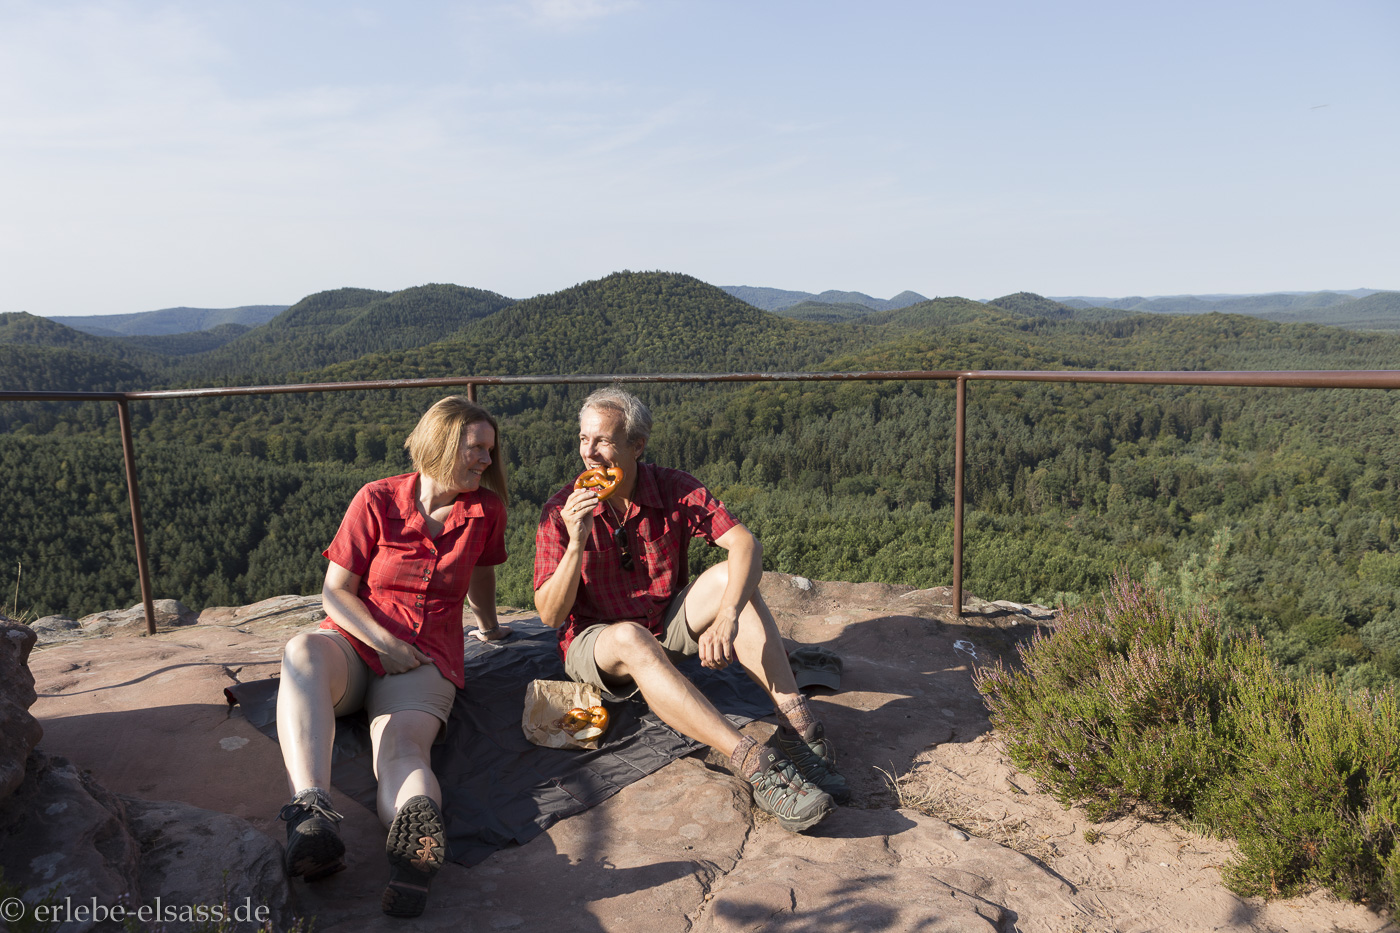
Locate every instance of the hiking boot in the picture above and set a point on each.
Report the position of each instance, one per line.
(814, 759)
(314, 849)
(780, 790)
(416, 846)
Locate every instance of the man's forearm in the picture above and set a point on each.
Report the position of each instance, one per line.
(556, 596)
(745, 572)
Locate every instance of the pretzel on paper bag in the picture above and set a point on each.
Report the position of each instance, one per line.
(578, 719)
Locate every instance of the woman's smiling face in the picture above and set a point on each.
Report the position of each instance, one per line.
(473, 456)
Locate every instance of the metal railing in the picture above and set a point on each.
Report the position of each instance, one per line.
(1304, 379)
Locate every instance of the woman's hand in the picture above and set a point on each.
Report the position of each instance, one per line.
(399, 657)
(340, 596)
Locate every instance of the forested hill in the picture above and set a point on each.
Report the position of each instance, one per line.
(18, 329)
(1279, 507)
(784, 302)
(625, 323)
(321, 329)
(346, 324)
(170, 321)
(1377, 312)
(1361, 309)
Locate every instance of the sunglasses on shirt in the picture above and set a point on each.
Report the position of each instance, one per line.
(619, 536)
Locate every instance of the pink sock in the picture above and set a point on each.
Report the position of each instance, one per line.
(747, 758)
(797, 715)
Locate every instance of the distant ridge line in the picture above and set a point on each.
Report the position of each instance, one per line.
(167, 321)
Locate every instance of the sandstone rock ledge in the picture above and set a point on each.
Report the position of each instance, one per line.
(942, 834)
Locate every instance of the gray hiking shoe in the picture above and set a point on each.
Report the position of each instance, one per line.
(781, 791)
(314, 849)
(815, 760)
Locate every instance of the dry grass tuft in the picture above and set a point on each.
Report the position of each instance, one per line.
(941, 797)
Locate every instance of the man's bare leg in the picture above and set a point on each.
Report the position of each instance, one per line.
(625, 649)
(758, 647)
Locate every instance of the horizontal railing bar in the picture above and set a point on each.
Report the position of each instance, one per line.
(1285, 379)
(1317, 379)
(581, 379)
(16, 396)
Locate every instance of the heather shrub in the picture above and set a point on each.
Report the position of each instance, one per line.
(1134, 702)
(1312, 797)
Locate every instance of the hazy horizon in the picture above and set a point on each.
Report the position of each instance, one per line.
(983, 298)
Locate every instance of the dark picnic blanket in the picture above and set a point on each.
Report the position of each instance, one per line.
(498, 788)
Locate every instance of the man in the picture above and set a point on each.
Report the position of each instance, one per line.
(613, 575)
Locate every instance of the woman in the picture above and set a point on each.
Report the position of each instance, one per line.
(410, 549)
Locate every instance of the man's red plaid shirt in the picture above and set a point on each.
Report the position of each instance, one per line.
(414, 584)
(668, 508)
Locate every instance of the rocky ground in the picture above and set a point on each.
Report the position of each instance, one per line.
(942, 833)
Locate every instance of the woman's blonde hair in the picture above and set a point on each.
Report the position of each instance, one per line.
(433, 444)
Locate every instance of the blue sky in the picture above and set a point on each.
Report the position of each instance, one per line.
(219, 154)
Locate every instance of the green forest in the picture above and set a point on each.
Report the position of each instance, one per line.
(1279, 507)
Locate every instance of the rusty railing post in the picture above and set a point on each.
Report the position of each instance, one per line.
(959, 445)
(471, 392)
(138, 530)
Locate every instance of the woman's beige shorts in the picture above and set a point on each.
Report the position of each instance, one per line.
(423, 688)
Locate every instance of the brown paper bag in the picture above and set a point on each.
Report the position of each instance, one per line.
(546, 702)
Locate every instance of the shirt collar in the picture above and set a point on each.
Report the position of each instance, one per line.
(465, 506)
(406, 496)
(647, 492)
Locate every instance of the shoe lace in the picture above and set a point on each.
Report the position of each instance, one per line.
(306, 803)
(816, 757)
(781, 775)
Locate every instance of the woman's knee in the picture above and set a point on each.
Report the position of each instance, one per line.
(306, 652)
(314, 664)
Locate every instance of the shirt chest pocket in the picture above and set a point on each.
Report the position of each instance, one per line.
(653, 543)
(397, 562)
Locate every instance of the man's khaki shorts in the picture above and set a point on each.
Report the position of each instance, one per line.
(678, 642)
(423, 688)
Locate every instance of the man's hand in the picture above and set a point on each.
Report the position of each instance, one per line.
(577, 513)
(400, 657)
(717, 641)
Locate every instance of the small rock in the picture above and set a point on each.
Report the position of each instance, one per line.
(55, 627)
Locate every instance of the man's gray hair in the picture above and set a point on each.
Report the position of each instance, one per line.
(636, 417)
